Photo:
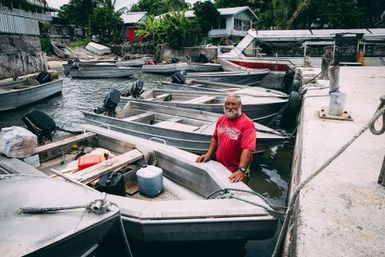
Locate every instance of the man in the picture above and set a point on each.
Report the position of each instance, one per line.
(327, 59)
(234, 139)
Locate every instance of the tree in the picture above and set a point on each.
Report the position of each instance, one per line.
(77, 12)
(206, 16)
(158, 7)
(106, 24)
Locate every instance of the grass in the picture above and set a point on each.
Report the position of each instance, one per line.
(79, 43)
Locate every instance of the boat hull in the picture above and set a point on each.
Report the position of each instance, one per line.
(12, 97)
(65, 233)
(101, 72)
(245, 78)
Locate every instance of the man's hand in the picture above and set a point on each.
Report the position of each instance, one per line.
(203, 158)
(237, 176)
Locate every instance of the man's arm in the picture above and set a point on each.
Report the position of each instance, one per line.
(206, 156)
(244, 162)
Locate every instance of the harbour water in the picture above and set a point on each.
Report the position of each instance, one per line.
(270, 171)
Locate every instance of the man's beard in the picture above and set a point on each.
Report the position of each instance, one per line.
(233, 114)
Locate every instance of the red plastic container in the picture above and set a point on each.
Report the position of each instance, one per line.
(88, 160)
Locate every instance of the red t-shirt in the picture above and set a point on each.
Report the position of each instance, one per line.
(233, 136)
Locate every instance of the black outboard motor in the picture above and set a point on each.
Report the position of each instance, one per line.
(110, 103)
(40, 124)
(137, 88)
(44, 77)
(178, 78)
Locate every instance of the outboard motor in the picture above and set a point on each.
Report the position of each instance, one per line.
(178, 78)
(43, 77)
(137, 88)
(110, 103)
(40, 124)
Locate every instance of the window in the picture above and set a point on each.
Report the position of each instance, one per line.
(222, 23)
(241, 24)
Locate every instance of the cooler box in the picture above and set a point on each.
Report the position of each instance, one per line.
(88, 160)
(150, 180)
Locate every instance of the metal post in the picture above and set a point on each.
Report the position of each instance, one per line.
(334, 73)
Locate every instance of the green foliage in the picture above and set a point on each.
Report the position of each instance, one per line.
(158, 7)
(46, 45)
(79, 43)
(170, 29)
(206, 16)
(106, 24)
(77, 12)
(302, 14)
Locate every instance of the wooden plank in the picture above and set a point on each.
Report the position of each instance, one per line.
(63, 142)
(91, 173)
(139, 116)
(175, 126)
(201, 99)
(159, 97)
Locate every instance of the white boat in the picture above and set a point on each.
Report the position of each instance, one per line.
(187, 129)
(246, 78)
(99, 71)
(193, 205)
(98, 48)
(259, 109)
(165, 69)
(245, 56)
(14, 94)
(30, 226)
(200, 85)
(61, 50)
(203, 67)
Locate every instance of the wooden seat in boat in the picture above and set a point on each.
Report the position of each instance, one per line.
(175, 126)
(159, 97)
(202, 99)
(141, 117)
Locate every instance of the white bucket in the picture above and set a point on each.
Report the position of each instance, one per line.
(336, 104)
(150, 180)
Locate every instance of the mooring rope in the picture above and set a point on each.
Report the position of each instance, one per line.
(226, 193)
(380, 111)
(98, 206)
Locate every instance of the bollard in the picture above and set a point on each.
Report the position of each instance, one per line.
(334, 72)
(336, 103)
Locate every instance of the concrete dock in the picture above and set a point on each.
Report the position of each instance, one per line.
(341, 212)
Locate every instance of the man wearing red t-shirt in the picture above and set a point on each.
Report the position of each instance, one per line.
(234, 139)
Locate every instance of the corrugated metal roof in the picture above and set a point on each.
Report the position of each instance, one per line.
(224, 11)
(133, 17)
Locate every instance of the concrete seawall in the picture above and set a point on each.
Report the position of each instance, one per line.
(341, 211)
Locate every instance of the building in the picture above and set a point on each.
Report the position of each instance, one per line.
(234, 21)
(20, 49)
(131, 21)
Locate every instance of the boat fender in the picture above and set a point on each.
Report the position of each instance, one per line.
(288, 80)
(137, 88)
(291, 110)
(178, 78)
(44, 77)
(295, 85)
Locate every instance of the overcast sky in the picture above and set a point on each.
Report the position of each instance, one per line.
(119, 3)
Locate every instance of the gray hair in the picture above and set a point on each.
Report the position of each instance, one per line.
(234, 95)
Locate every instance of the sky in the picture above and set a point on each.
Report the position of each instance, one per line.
(119, 3)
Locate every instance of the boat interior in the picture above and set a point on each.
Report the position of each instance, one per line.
(183, 97)
(163, 120)
(181, 181)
